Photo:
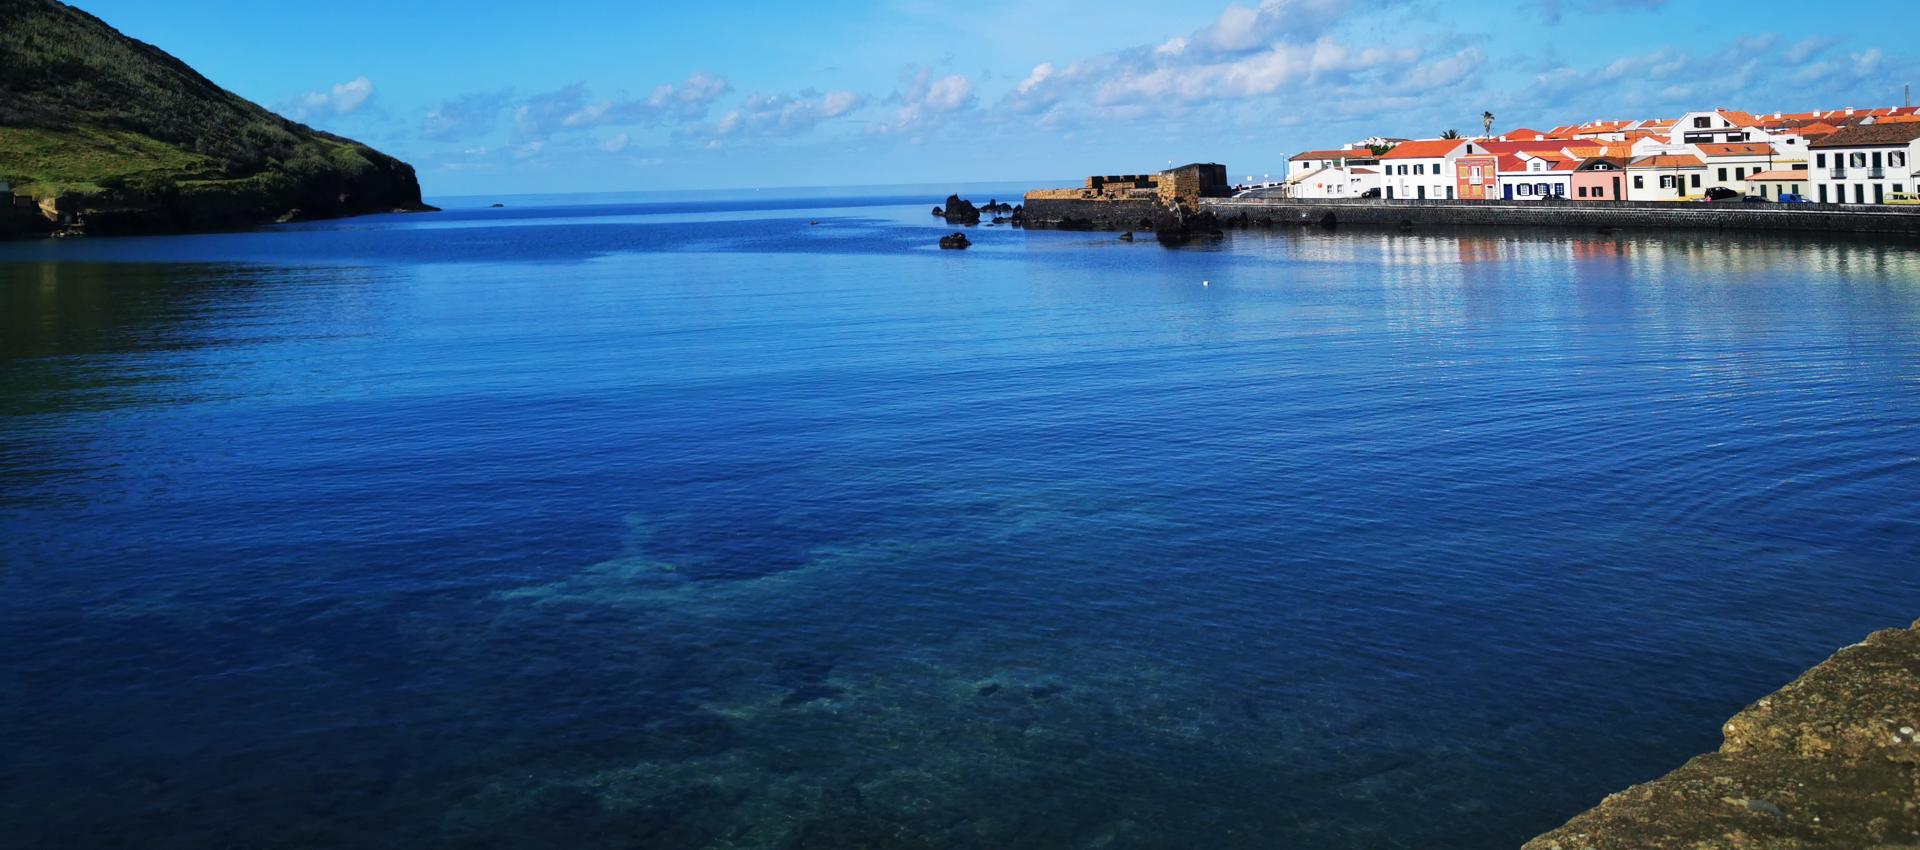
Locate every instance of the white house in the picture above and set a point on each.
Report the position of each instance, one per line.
(1864, 164)
(1307, 162)
(1530, 176)
(1351, 182)
(1665, 177)
(1423, 170)
(1729, 164)
(1721, 126)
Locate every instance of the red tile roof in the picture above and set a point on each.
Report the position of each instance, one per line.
(1424, 149)
(1332, 154)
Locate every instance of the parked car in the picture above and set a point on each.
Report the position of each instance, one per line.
(1756, 199)
(1904, 198)
(1790, 198)
(1721, 193)
(1370, 193)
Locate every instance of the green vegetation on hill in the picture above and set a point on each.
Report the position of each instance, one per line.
(90, 113)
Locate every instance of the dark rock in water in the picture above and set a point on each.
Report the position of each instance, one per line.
(939, 212)
(988, 689)
(290, 215)
(955, 241)
(999, 219)
(496, 206)
(1176, 226)
(961, 211)
(1127, 236)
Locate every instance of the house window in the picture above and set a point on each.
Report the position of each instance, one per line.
(1583, 191)
(1858, 159)
(1703, 122)
(1419, 169)
(1639, 181)
(1897, 158)
(1476, 172)
(1541, 189)
(1696, 181)
(1739, 174)
(1524, 190)
(1820, 160)
(1667, 181)
(1723, 175)
(1559, 190)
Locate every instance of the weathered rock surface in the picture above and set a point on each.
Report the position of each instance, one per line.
(1830, 761)
(961, 211)
(955, 241)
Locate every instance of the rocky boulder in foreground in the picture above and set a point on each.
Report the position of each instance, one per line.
(1830, 761)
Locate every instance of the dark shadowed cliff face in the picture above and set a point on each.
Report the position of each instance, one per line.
(133, 139)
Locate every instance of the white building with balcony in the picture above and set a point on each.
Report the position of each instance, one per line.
(1866, 163)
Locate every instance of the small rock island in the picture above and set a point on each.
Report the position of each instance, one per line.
(101, 133)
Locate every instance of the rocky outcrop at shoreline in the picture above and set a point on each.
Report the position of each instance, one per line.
(1830, 761)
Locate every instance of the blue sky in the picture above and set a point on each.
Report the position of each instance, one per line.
(584, 95)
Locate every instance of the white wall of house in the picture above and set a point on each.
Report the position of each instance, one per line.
(1660, 184)
(1864, 175)
(1431, 178)
(1538, 182)
(1731, 171)
(1337, 183)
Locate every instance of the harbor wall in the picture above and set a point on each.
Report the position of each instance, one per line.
(1093, 214)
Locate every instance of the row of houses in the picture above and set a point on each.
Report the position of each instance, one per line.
(1837, 156)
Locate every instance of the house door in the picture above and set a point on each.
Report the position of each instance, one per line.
(1879, 194)
(1506, 192)
(1421, 192)
(1616, 189)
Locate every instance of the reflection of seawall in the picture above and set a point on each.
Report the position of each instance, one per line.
(1809, 217)
(1830, 761)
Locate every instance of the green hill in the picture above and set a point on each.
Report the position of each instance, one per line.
(133, 139)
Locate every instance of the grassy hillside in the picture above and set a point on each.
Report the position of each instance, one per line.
(86, 111)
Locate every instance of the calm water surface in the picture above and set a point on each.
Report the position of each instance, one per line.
(693, 524)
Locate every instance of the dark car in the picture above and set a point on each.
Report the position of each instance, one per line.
(1721, 193)
(1370, 193)
(1756, 199)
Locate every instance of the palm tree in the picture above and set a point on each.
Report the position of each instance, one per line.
(1486, 123)
(1450, 134)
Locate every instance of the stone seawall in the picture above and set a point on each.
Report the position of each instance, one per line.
(1829, 762)
(1846, 218)
(1097, 215)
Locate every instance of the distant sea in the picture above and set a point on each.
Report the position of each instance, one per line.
(755, 520)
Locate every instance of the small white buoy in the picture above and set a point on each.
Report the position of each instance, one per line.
(1205, 283)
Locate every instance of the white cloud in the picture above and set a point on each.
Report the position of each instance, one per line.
(777, 115)
(616, 144)
(341, 99)
(571, 107)
(928, 100)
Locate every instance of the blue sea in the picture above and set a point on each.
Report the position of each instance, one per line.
(755, 520)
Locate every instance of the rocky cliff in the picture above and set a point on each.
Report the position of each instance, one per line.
(1830, 761)
(100, 128)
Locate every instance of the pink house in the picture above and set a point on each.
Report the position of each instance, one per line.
(1601, 178)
